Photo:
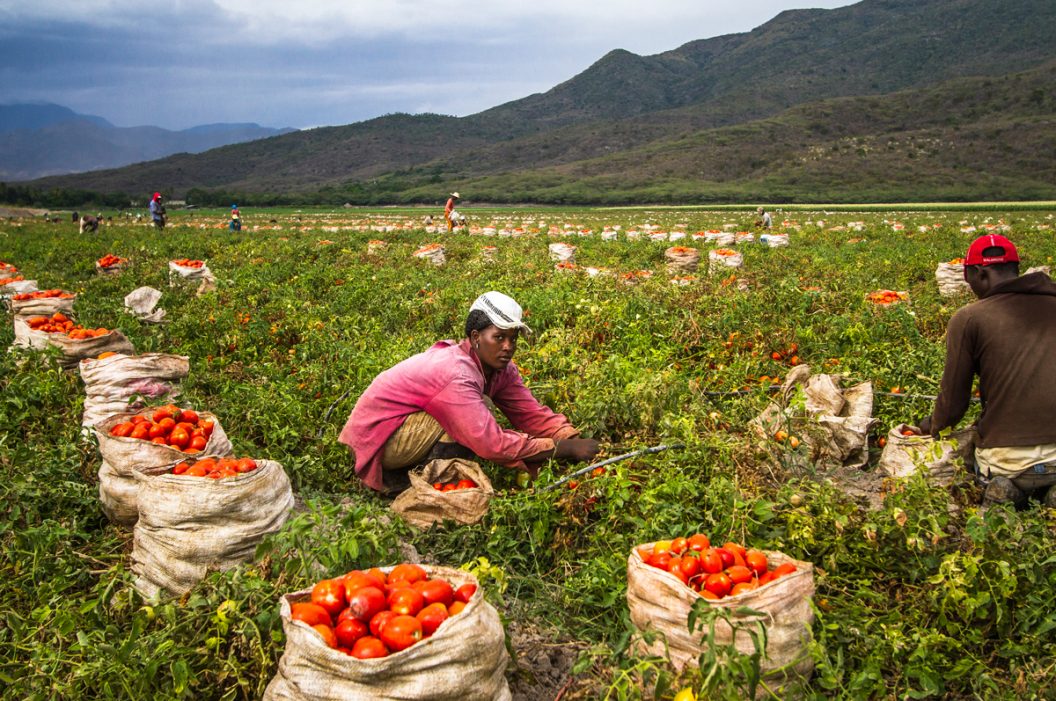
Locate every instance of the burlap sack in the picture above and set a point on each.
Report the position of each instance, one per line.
(123, 383)
(203, 277)
(950, 279)
(433, 253)
(117, 495)
(142, 303)
(833, 422)
(114, 269)
(190, 525)
(660, 602)
(42, 307)
(904, 455)
(1038, 269)
(488, 254)
(774, 240)
(562, 252)
(464, 660)
(722, 259)
(17, 287)
(421, 505)
(682, 259)
(721, 238)
(126, 456)
(73, 351)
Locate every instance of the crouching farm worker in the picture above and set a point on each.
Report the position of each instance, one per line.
(1007, 339)
(437, 405)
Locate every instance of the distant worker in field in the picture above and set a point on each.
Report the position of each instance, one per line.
(236, 218)
(1007, 339)
(449, 208)
(765, 220)
(157, 211)
(437, 404)
(90, 223)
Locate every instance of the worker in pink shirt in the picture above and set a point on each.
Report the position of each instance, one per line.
(436, 405)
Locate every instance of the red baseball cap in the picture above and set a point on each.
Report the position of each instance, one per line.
(975, 251)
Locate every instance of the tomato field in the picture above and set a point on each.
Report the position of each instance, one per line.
(918, 594)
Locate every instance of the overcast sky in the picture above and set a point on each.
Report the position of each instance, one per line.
(304, 63)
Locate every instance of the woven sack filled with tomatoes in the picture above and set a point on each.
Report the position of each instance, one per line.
(423, 504)
(720, 260)
(190, 525)
(186, 274)
(660, 602)
(123, 383)
(42, 306)
(73, 350)
(26, 337)
(464, 660)
(562, 252)
(124, 456)
(940, 460)
(682, 259)
(950, 279)
(11, 286)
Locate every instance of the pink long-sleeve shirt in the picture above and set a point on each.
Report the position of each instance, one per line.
(448, 382)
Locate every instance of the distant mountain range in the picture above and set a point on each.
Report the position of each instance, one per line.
(884, 99)
(46, 139)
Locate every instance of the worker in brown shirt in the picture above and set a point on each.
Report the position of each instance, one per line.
(1007, 338)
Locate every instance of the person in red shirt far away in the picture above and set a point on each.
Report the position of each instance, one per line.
(450, 207)
(438, 404)
(1007, 338)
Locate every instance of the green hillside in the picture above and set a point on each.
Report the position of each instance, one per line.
(718, 118)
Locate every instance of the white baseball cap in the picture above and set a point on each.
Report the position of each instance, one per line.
(501, 310)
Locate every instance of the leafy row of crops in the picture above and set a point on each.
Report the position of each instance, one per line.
(923, 597)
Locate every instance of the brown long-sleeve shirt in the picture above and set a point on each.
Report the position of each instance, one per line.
(1008, 338)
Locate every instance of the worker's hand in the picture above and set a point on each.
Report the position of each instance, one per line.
(925, 426)
(576, 449)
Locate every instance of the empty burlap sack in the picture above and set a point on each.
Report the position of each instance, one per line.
(464, 660)
(126, 456)
(190, 525)
(562, 252)
(73, 351)
(682, 259)
(950, 278)
(904, 455)
(660, 602)
(47, 306)
(421, 505)
(142, 303)
(833, 422)
(203, 277)
(721, 259)
(433, 253)
(123, 383)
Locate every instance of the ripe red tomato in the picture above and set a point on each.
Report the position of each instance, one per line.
(739, 574)
(456, 608)
(678, 545)
(735, 548)
(743, 587)
(179, 438)
(466, 484)
(369, 648)
(674, 568)
(465, 592)
(330, 595)
(327, 634)
(207, 426)
(349, 631)
(122, 430)
(698, 542)
(782, 570)
(355, 580)
(766, 578)
(366, 602)
(437, 590)
(710, 561)
(431, 617)
(189, 416)
(307, 612)
(690, 566)
(160, 440)
(198, 443)
(756, 560)
(141, 431)
(660, 560)
(406, 601)
(718, 584)
(378, 622)
(401, 632)
(727, 557)
(408, 573)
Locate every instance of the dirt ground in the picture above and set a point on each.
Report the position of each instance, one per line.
(542, 667)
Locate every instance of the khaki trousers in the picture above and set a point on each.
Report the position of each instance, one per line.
(412, 442)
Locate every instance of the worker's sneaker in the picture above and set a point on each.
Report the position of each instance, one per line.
(1002, 490)
(1050, 497)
